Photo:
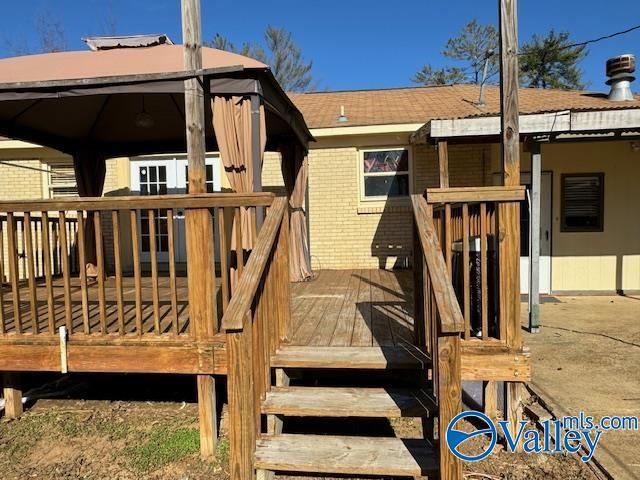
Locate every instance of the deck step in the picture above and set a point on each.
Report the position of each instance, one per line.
(374, 358)
(345, 455)
(348, 402)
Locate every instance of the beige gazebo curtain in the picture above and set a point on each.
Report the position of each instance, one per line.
(295, 171)
(90, 170)
(233, 127)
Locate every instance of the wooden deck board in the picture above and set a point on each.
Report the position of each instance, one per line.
(362, 308)
(346, 455)
(347, 402)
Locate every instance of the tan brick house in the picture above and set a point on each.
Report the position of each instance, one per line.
(374, 147)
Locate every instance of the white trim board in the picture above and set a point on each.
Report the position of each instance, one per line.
(564, 121)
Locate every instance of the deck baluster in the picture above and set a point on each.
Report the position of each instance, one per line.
(135, 245)
(97, 224)
(46, 253)
(117, 260)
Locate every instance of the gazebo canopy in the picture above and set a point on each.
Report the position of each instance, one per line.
(94, 99)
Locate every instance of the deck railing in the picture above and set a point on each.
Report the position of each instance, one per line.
(256, 322)
(466, 220)
(124, 298)
(44, 232)
(438, 327)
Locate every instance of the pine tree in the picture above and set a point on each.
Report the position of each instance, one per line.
(473, 46)
(551, 62)
(441, 76)
(281, 54)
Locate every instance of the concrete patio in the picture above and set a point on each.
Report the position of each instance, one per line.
(587, 358)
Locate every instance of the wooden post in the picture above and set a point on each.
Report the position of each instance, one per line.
(490, 399)
(534, 247)
(450, 401)
(241, 402)
(418, 290)
(12, 395)
(509, 213)
(283, 294)
(257, 157)
(199, 226)
(443, 163)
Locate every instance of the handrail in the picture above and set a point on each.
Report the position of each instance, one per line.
(451, 319)
(475, 194)
(244, 293)
(204, 200)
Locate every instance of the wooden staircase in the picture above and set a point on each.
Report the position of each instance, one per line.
(364, 380)
(319, 453)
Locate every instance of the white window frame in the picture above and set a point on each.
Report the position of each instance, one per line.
(50, 188)
(362, 175)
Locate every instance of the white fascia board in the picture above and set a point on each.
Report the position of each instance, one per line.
(541, 123)
(605, 120)
(481, 126)
(365, 130)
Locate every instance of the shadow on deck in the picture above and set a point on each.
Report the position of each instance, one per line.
(357, 308)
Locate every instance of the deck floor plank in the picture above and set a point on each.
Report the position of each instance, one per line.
(362, 334)
(354, 308)
(344, 327)
(335, 296)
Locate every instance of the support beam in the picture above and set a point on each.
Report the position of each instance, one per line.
(12, 395)
(199, 231)
(509, 213)
(513, 398)
(534, 236)
(257, 157)
(450, 395)
(490, 399)
(443, 163)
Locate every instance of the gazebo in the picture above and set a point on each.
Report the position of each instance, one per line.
(112, 102)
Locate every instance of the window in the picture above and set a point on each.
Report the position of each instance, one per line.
(582, 202)
(385, 173)
(208, 181)
(62, 180)
(153, 181)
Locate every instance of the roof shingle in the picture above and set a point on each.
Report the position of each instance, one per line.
(422, 104)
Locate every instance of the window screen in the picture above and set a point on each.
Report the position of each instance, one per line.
(582, 202)
(62, 180)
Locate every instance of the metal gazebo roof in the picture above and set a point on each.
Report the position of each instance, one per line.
(70, 100)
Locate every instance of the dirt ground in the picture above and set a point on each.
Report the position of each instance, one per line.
(65, 439)
(587, 358)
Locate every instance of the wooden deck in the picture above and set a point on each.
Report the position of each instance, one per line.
(165, 311)
(357, 308)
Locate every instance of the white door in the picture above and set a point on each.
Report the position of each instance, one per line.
(155, 177)
(214, 184)
(161, 177)
(545, 234)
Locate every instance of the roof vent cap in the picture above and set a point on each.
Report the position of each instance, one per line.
(619, 71)
(127, 41)
(342, 118)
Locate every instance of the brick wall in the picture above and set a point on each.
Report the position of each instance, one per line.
(346, 232)
(21, 179)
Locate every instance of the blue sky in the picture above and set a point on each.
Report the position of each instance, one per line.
(354, 44)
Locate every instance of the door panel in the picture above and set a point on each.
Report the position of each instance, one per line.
(153, 178)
